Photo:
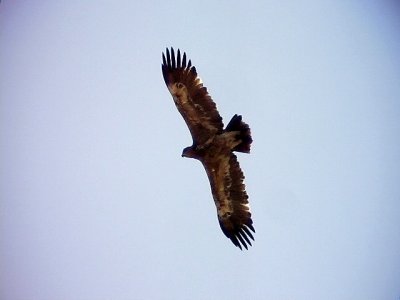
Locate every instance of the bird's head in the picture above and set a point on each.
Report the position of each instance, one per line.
(189, 152)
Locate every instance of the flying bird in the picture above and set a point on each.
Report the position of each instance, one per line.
(213, 145)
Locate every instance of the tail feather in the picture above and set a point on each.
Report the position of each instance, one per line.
(236, 124)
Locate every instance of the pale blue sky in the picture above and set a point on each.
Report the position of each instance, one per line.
(96, 201)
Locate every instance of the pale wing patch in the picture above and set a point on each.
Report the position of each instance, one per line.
(191, 111)
(223, 204)
(179, 93)
(246, 206)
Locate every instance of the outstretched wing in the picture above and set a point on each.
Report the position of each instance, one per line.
(191, 97)
(231, 200)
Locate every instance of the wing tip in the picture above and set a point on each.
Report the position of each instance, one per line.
(175, 65)
(239, 235)
(178, 61)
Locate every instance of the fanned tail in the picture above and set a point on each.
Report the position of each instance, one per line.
(236, 124)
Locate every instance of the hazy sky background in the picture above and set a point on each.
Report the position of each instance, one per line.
(96, 201)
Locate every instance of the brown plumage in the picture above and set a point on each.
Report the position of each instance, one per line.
(213, 146)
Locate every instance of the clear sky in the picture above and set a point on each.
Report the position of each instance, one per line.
(96, 201)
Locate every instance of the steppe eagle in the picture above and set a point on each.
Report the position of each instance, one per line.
(213, 145)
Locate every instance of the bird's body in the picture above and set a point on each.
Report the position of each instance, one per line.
(213, 146)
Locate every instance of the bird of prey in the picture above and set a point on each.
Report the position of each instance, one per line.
(213, 145)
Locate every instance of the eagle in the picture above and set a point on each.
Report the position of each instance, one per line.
(213, 145)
